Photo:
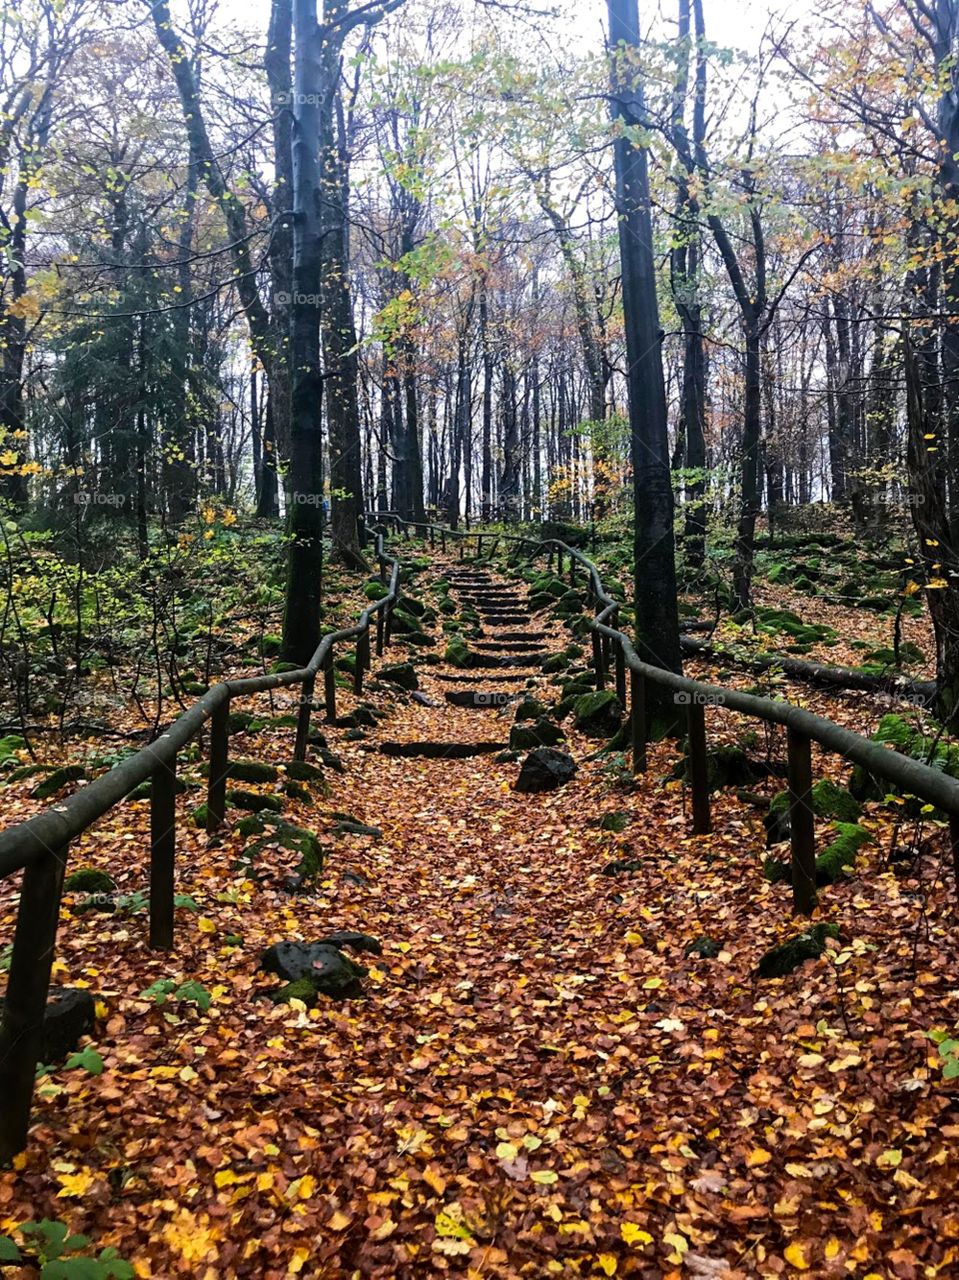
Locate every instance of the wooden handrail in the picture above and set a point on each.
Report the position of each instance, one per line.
(39, 847)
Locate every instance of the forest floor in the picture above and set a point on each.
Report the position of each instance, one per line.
(541, 1078)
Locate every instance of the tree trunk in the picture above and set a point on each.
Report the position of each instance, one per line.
(657, 617)
(301, 621)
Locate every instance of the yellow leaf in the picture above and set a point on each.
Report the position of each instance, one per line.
(264, 1181)
(339, 1221)
(205, 925)
(300, 1258)
(635, 1235)
(187, 1074)
(758, 1156)
(634, 939)
(796, 1257)
(506, 1151)
(75, 1184)
(890, 1159)
(652, 984)
(607, 1262)
(545, 1177)
(832, 1248)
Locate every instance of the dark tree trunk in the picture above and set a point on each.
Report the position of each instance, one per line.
(301, 621)
(657, 618)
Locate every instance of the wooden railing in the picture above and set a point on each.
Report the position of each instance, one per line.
(614, 655)
(39, 847)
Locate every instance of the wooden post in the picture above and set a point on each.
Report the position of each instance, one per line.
(432, 536)
(21, 1031)
(461, 548)
(383, 569)
(698, 767)
(559, 562)
(637, 717)
(443, 540)
(954, 840)
(329, 686)
(388, 625)
(598, 660)
(802, 821)
(303, 718)
(479, 546)
(362, 660)
(379, 633)
(162, 855)
(572, 571)
(219, 760)
(620, 675)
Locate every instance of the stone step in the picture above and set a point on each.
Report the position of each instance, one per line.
(510, 646)
(440, 750)
(465, 679)
(507, 659)
(521, 635)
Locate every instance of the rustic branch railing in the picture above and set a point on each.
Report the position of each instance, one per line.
(614, 650)
(39, 847)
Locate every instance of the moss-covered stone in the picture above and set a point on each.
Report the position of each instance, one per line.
(297, 791)
(241, 799)
(271, 645)
(303, 771)
(59, 778)
(375, 590)
(199, 816)
(10, 745)
(530, 708)
(401, 674)
(828, 801)
(89, 880)
(541, 733)
(271, 830)
(457, 652)
(303, 989)
(252, 771)
(781, 960)
(840, 856)
(554, 663)
(598, 714)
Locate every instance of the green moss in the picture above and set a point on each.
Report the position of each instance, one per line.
(52, 782)
(303, 771)
(10, 745)
(834, 860)
(240, 799)
(89, 880)
(554, 663)
(401, 674)
(530, 709)
(252, 771)
(270, 646)
(199, 816)
(457, 652)
(598, 714)
(541, 733)
(302, 989)
(375, 590)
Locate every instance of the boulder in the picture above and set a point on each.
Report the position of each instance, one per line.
(598, 714)
(319, 968)
(402, 674)
(70, 1015)
(545, 769)
(782, 960)
(542, 733)
(706, 948)
(89, 880)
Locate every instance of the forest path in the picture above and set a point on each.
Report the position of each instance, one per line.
(545, 1076)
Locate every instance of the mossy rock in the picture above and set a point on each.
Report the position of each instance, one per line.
(200, 815)
(239, 721)
(828, 801)
(705, 947)
(59, 778)
(297, 791)
(541, 733)
(195, 687)
(270, 646)
(457, 652)
(302, 989)
(570, 605)
(840, 856)
(271, 830)
(727, 765)
(303, 771)
(506, 757)
(237, 798)
(530, 709)
(617, 821)
(598, 714)
(783, 959)
(540, 600)
(401, 674)
(375, 590)
(447, 606)
(89, 880)
(26, 771)
(252, 771)
(554, 663)
(278, 668)
(573, 651)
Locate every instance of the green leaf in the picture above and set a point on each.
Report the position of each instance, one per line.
(8, 1250)
(950, 1069)
(88, 1059)
(192, 990)
(184, 900)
